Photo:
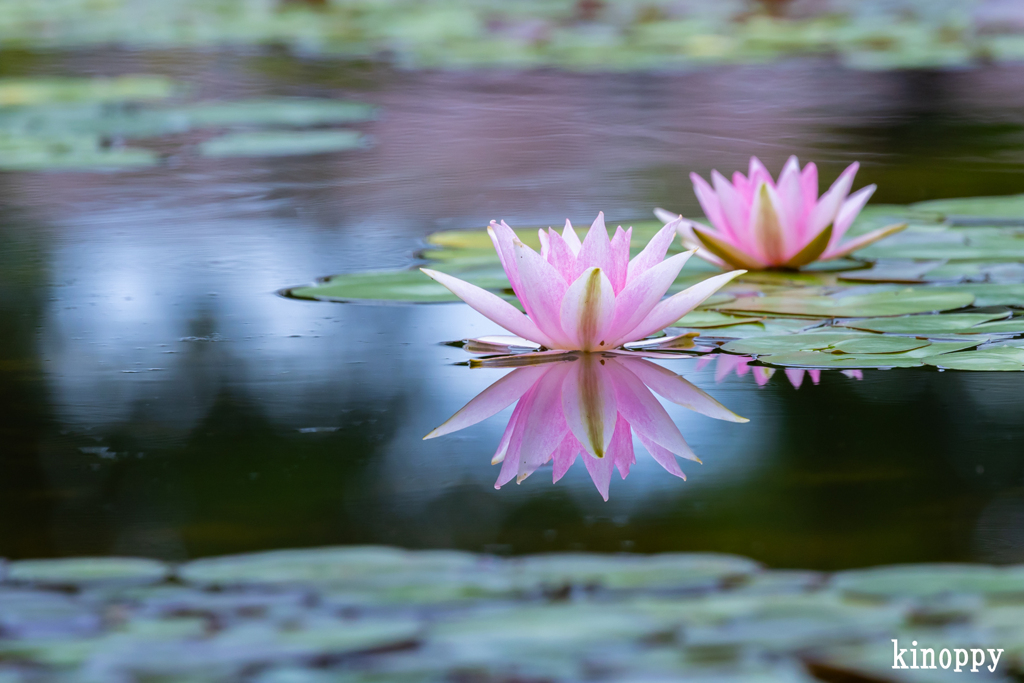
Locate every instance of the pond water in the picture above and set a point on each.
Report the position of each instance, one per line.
(159, 398)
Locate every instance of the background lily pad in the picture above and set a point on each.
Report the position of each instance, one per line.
(283, 143)
(884, 303)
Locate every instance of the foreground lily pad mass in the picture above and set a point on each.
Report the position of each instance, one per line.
(947, 292)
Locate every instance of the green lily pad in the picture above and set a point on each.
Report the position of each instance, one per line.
(925, 324)
(811, 341)
(409, 286)
(927, 580)
(35, 91)
(712, 319)
(296, 112)
(817, 359)
(878, 344)
(88, 571)
(995, 207)
(283, 143)
(988, 359)
(68, 152)
(885, 303)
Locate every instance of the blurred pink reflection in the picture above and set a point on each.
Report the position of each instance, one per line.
(726, 364)
(587, 404)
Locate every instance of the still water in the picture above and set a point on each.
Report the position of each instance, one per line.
(158, 397)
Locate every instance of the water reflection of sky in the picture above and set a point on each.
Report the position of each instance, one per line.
(135, 264)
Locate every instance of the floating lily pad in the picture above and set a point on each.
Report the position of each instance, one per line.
(926, 324)
(712, 319)
(878, 344)
(885, 303)
(35, 91)
(88, 571)
(988, 359)
(283, 143)
(811, 341)
(818, 359)
(409, 286)
(927, 580)
(25, 153)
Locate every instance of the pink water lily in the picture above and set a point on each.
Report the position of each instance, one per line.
(759, 223)
(586, 295)
(587, 405)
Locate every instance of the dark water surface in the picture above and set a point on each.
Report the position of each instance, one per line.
(158, 398)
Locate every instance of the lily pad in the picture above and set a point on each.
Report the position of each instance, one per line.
(885, 303)
(410, 286)
(26, 153)
(88, 571)
(817, 359)
(988, 359)
(951, 323)
(878, 344)
(712, 319)
(931, 580)
(757, 346)
(35, 91)
(283, 143)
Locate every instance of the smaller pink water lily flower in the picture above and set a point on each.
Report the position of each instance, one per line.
(587, 405)
(759, 223)
(586, 295)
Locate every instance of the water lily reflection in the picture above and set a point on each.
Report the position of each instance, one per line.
(727, 364)
(587, 405)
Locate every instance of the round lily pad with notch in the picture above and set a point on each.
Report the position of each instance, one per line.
(407, 286)
(878, 344)
(995, 359)
(948, 323)
(760, 346)
(884, 303)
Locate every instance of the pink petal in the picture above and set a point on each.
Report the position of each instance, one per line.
(710, 204)
(665, 216)
(620, 451)
(491, 400)
(762, 375)
(644, 413)
(493, 307)
(642, 295)
(503, 237)
(620, 258)
(570, 237)
(542, 290)
(545, 425)
(791, 201)
(740, 182)
(565, 456)
(676, 389)
(735, 209)
(663, 457)
(853, 374)
(690, 240)
(588, 403)
(827, 207)
(600, 473)
(795, 376)
(545, 246)
(597, 250)
(848, 212)
(767, 227)
(655, 251)
(587, 311)
(561, 256)
(675, 307)
(509, 447)
(809, 189)
(758, 174)
(815, 375)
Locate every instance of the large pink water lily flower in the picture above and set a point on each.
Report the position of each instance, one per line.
(759, 223)
(587, 405)
(586, 296)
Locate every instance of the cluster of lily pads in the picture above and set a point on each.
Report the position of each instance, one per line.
(581, 34)
(130, 121)
(946, 292)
